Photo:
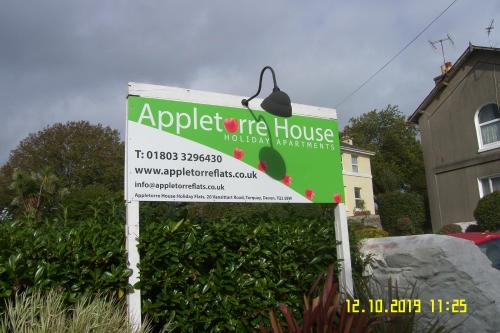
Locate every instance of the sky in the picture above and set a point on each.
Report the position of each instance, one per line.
(72, 60)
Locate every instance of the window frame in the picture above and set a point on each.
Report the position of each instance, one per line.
(482, 146)
(354, 164)
(480, 184)
(357, 199)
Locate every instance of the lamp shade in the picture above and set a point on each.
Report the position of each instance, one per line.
(278, 104)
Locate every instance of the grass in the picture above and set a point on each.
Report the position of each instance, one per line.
(48, 313)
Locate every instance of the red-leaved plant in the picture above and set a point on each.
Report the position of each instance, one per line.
(324, 313)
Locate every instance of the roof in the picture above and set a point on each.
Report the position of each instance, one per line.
(354, 149)
(443, 80)
(477, 237)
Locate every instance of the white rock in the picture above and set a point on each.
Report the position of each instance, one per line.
(444, 267)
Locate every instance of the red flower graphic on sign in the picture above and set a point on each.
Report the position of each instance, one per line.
(231, 125)
(337, 198)
(309, 194)
(287, 180)
(238, 153)
(262, 166)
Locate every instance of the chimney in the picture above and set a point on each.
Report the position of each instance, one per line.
(445, 68)
(347, 140)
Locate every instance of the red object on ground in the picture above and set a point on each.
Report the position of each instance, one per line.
(231, 125)
(238, 153)
(287, 180)
(337, 198)
(309, 194)
(262, 166)
(476, 237)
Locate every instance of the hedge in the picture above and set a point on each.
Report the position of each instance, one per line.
(72, 258)
(225, 275)
(206, 275)
(401, 213)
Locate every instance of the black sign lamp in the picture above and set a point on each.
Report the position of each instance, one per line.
(278, 103)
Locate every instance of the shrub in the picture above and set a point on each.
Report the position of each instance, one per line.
(86, 202)
(215, 273)
(325, 310)
(404, 226)
(252, 212)
(201, 276)
(487, 212)
(474, 228)
(219, 275)
(74, 257)
(38, 312)
(450, 229)
(401, 213)
(371, 233)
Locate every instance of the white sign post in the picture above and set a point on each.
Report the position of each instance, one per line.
(133, 258)
(343, 250)
(194, 146)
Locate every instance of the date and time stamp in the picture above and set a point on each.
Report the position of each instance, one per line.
(380, 306)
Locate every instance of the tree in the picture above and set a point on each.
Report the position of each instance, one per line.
(398, 161)
(36, 194)
(77, 153)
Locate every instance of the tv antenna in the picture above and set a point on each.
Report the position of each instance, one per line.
(441, 43)
(489, 29)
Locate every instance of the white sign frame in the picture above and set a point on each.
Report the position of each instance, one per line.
(132, 228)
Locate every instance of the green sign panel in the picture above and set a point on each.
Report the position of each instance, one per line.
(203, 149)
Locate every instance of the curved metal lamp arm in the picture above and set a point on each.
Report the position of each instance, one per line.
(245, 101)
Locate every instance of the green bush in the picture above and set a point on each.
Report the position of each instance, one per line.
(205, 275)
(487, 212)
(401, 213)
(371, 233)
(222, 275)
(450, 228)
(474, 228)
(86, 202)
(251, 212)
(72, 257)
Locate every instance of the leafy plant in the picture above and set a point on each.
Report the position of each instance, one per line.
(401, 213)
(77, 153)
(398, 163)
(74, 257)
(474, 228)
(371, 233)
(199, 276)
(47, 312)
(487, 212)
(367, 289)
(450, 229)
(325, 312)
(219, 275)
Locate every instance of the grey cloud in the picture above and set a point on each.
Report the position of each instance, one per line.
(63, 60)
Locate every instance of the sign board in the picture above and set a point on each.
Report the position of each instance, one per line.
(195, 146)
(185, 145)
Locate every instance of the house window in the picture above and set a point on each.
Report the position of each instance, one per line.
(488, 185)
(360, 204)
(354, 163)
(488, 126)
